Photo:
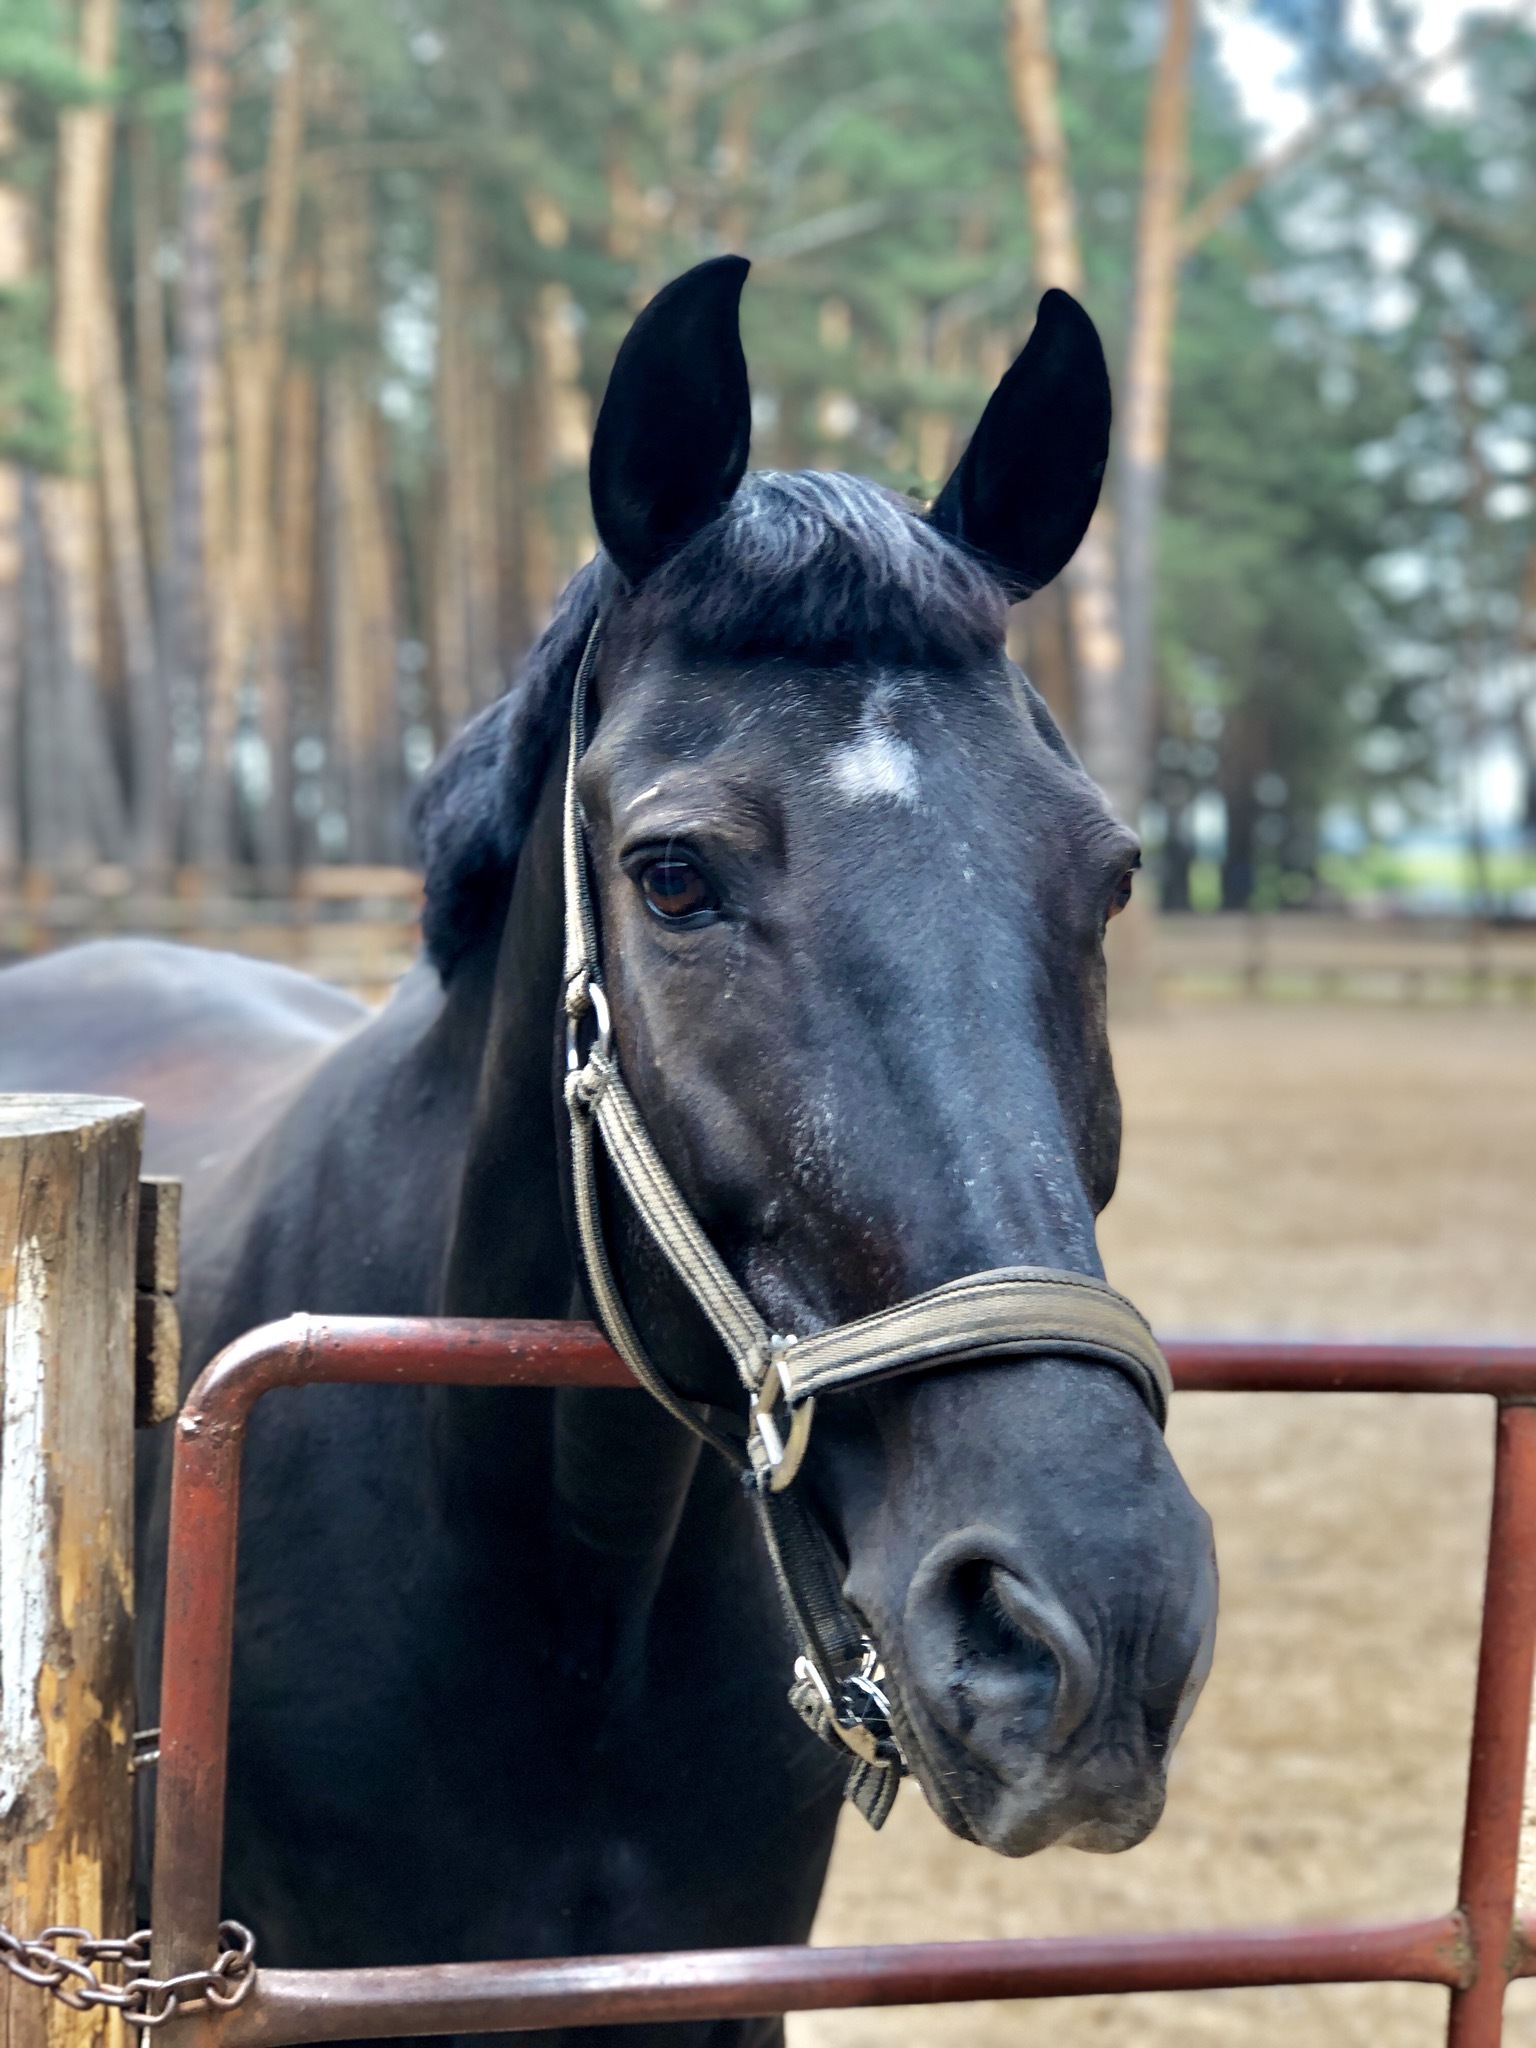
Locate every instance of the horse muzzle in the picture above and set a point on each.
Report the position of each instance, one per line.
(1027, 1725)
(1042, 1587)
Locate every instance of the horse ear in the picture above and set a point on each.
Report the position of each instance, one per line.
(671, 440)
(1023, 492)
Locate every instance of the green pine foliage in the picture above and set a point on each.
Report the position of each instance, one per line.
(38, 69)
(1346, 533)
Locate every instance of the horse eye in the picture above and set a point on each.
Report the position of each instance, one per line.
(1122, 895)
(674, 889)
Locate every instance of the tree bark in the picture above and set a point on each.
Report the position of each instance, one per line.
(1045, 656)
(1090, 578)
(197, 400)
(451, 630)
(554, 439)
(10, 675)
(298, 481)
(149, 726)
(68, 500)
(247, 640)
(1047, 174)
(1149, 373)
(151, 380)
(361, 634)
(537, 572)
(50, 795)
(15, 263)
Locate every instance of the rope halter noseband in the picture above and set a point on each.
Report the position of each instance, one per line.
(1008, 1313)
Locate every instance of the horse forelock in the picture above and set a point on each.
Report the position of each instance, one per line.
(816, 566)
(825, 568)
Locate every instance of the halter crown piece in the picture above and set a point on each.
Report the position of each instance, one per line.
(1008, 1313)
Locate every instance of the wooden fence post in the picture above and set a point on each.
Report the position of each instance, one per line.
(69, 1179)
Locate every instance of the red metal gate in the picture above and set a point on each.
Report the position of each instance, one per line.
(1475, 1950)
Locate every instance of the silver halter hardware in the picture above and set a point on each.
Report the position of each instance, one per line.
(1004, 1314)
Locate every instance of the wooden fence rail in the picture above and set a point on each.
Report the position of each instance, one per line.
(358, 927)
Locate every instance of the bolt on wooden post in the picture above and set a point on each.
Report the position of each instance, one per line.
(69, 1181)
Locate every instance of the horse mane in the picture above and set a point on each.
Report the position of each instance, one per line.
(817, 566)
(472, 812)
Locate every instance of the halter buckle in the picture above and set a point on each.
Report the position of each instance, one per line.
(858, 1709)
(777, 1452)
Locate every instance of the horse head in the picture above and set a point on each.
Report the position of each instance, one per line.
(852, 887)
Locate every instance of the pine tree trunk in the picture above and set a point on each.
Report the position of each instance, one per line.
(1090, 578)
(15, 262)
(450, 604)
(196, 395)
(467, 630)
(554, 436)
(296, 580)
(148, 723)
(1047, 173)
(681, 108)
(1148, 369)
(51, 810)
(565, 421)
(361, 628)
(732, 169)
(10, 675)
(68, 500)
(151, 371)
(297, 484)
(513, 622)
(485, 649)
(247, 640)
(537, 572)
(1045, 656)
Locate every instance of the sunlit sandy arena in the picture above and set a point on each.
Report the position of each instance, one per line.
(1362, 1169)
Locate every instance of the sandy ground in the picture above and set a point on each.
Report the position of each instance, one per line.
(1286, 1169)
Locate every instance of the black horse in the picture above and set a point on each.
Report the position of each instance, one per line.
(510, 1671)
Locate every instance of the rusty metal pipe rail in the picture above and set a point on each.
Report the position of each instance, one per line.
(1474, 1951)
(289, 2006)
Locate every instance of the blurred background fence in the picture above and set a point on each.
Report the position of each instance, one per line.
(305, 310)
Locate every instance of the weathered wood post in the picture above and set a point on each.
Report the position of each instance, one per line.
(69, 1181)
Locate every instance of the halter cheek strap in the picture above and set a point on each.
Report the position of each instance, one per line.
(1007, 1313)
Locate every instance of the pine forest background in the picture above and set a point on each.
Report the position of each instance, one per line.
(305, 310)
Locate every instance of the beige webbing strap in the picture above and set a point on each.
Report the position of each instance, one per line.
(1008, 1312)
(609, 1303)
(601, 1094)
(1017, 1311)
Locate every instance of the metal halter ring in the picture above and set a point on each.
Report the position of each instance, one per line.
(777, 1452)
(581, 995)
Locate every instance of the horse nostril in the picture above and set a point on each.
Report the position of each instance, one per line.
(996, 1647)
(999, 1658)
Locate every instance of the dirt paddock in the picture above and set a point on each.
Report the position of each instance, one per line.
(1299, 1170)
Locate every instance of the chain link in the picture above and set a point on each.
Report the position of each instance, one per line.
(72, 1973)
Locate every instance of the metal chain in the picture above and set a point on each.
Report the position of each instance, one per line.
(71, 1973)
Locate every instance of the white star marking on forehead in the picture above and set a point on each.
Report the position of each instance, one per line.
(878, 763)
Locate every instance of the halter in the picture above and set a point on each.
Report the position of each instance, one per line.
(1009, 1312)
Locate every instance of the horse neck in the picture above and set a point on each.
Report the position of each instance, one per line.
(618, 1468)
(508, 1254)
